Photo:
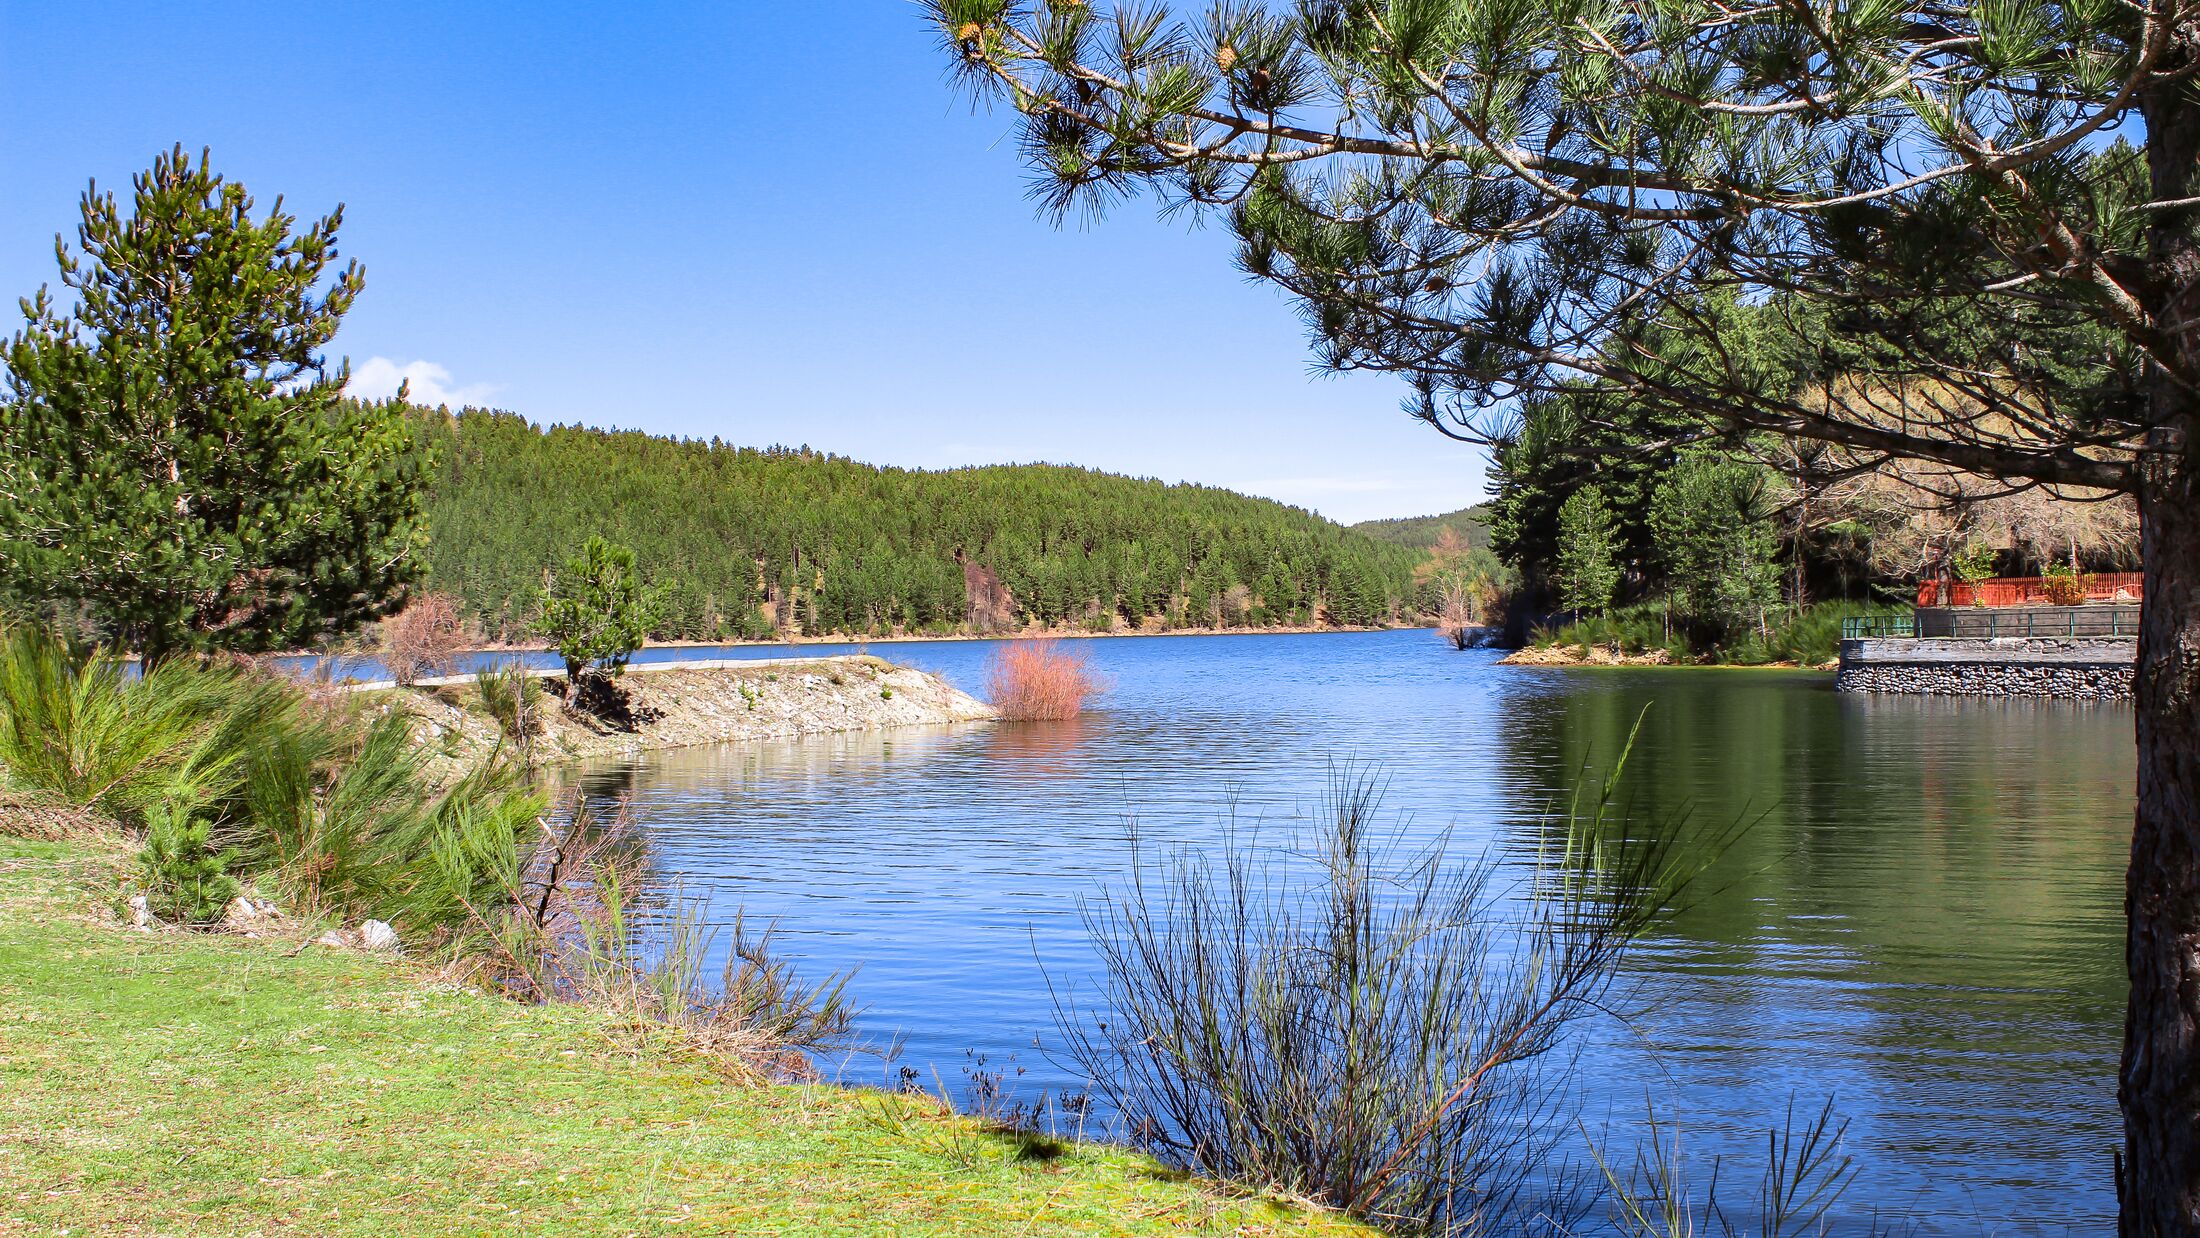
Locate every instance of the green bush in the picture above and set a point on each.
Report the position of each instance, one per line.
(1635, 629)
(186, 880)
(1812, 638)
(75, 723)
(231, 778)
(2063, 585)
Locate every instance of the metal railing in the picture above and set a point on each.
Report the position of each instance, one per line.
(2063, 621)
(1990, 624)
(1863, 627)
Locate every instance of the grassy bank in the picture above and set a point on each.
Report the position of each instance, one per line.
(199, 1082)
(190, 1083)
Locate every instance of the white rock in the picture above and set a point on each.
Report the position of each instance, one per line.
(141, 912)
(375, 935)
(240, 912)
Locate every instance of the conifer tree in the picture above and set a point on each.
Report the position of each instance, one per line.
(877, 546)
(596, 611)
(1587, 569)
(1718, 548)
(175, 455)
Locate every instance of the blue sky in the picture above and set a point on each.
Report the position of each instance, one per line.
(768, 222)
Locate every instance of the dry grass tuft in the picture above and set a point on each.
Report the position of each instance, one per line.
(1033, 680)
(39, 817)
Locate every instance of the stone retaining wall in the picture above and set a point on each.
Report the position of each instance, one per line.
(2081, 669)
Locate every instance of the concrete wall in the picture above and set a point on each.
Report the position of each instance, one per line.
(2083, 668)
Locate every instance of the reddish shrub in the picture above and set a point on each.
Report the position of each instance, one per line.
(424, 638)
(1034, 679)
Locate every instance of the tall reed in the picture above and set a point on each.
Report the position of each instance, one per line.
(1793, 1195)
(328, 809)
(343, 818)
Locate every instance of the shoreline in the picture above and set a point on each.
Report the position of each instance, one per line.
(1600, 657)
(905, 639)
(1042, 634)
(696, 706)
(322, 1064)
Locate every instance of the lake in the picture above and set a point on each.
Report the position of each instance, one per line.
(1923, 924)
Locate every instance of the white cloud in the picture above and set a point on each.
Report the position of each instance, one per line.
(431, 383)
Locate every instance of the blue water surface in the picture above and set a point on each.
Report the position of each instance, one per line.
(1922, 924)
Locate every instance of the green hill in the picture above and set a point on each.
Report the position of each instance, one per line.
(1420, 532)
(749, 542)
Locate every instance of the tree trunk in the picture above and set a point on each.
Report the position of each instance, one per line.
(2158, 1187)
(2159, 1087)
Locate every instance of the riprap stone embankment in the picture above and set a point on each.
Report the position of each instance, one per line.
(2068, 668)
(732, 703)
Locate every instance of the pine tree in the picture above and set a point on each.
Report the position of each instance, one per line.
(175, 455)
(1587, 570)
(1719, 550)
(596, 612)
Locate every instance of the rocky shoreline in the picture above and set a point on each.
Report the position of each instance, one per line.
(1582, 655)
(689, 706)
(1605, 655)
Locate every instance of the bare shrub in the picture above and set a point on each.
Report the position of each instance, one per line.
(1031, 680)
(425, 638)
(1380, 1034)
(1456, 621)
(1237, 604)
(582, 922)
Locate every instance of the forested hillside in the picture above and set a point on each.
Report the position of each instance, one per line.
(749, 542)
(1472, 524)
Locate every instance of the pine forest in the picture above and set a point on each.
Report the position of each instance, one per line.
(743, 542)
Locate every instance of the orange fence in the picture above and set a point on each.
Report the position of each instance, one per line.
(2025, 590)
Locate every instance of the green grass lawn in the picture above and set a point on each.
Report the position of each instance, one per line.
(177, 1083)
